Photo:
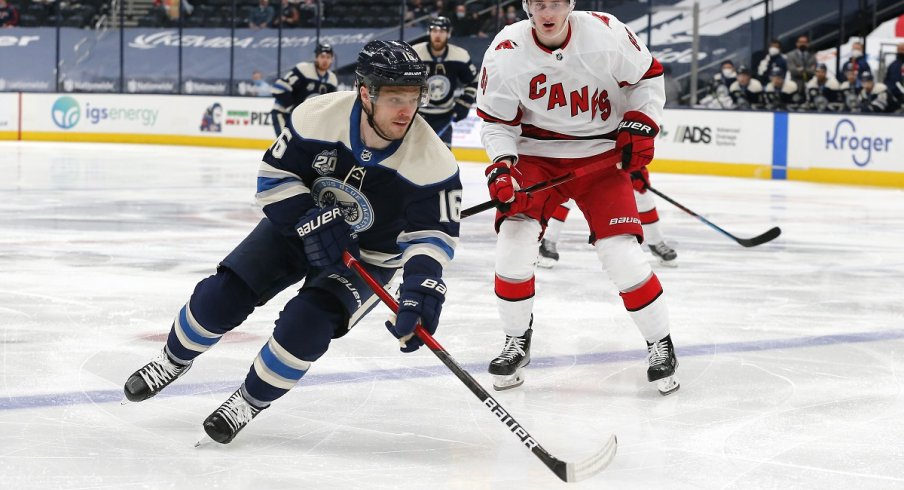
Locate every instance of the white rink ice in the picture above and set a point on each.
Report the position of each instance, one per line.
(791, 353)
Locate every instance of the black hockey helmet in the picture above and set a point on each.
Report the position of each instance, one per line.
(392, 63)
(323, 48)
(440, 22)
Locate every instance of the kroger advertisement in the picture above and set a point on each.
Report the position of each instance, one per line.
(846, 142)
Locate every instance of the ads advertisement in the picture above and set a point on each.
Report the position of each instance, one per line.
(230, 117)
(9, 116)
(715, 136)
(846, 142)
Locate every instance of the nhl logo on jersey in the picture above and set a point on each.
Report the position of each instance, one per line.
(325, 162)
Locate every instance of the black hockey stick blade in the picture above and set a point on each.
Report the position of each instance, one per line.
(768, 236)
(567, 472)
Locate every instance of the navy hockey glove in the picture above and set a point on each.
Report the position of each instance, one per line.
(326, 235)
(502, 183)
(421, 300)
(635, 141)
(460, 111)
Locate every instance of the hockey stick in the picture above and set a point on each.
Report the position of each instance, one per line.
(550, 183)
(568, 472)
(768, 236)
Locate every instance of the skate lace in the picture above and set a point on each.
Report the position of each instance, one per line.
(160, 372)
(658, 353)
(513, 346)
(237, 411)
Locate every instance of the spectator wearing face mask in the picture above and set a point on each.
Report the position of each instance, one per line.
(465, 23)
(801, 62)
(857, 62)
(774, 58)
(894, 77)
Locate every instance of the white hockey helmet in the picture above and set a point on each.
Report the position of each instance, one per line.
(525, 4)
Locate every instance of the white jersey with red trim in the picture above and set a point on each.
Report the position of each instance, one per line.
(567, 102)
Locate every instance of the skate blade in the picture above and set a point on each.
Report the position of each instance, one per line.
(502, 382)
(546, 263)
(124, 401)
(668, 263)
(667, 386)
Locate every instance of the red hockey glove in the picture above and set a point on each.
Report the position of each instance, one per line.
(635, 140)
(640, 179)
(502, 182)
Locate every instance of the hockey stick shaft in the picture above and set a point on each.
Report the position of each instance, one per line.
(550, 183)
(565, 471)
(768, 236)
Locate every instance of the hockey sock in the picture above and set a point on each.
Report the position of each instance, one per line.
(515, 301)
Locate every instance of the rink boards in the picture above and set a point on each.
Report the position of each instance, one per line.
(835, 148)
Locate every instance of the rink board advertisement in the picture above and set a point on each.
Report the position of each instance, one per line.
(845, 148)
(220, 121)
(9, 116)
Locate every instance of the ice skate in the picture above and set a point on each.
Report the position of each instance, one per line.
(507, 367)
(663, 363)
(233, 415)
(548, 254)
(153, 377)
(664, 253)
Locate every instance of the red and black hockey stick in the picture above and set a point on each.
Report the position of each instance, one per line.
(568, 472)
(550, 183)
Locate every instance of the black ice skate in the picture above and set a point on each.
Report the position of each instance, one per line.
(232, 416)
(548, 254)
(506, 368)
(663, 363)
(664, 253)
(153, 377)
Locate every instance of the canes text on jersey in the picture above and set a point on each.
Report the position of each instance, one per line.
(579, 100)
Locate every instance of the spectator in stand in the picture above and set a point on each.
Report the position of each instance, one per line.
(746, 92)
(823, 93)
(258, 86)
(465, 24)
(491, 24)
(718, 96)
(511, 16)
(801, 62)
(774, 58)
(288, 16)
(9, 16)
(875, 97)
(307, 10)
(857, 62)
(850, 91)
(780, 94)
(894, 76)
(416, 10)
(262, 16)
(440, 9)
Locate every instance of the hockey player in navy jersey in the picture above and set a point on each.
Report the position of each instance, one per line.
(558, 91)
(355, 171)
(451, 73)
(303, 81)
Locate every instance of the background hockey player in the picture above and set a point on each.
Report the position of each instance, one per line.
(383, 186)
(451, 73)
(303, 81)
(780, 93)
(559, 91)
(823, 91)
(746, 92)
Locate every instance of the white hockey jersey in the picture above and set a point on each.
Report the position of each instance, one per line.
(567, 102)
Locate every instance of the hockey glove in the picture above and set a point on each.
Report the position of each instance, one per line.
(326, 235)
(635, 140)
(460, 111)
(640, 179)
(420, 300)
(502, 182)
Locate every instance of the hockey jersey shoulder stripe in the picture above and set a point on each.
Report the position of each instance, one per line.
(459, 54)
(654, 71)
(533, 132)
(324, 118)
(423, 159)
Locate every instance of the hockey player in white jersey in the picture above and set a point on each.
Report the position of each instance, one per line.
(303, 81)
(356, 171)
(558, 91)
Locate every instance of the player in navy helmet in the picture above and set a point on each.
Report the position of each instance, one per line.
(303, 81)
(452, 82)
(355, 171)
